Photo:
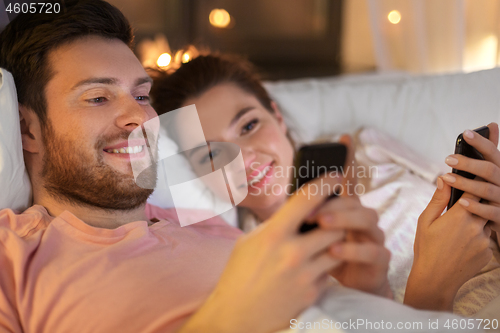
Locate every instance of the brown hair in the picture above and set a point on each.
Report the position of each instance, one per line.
(171, 90)
(29, 38)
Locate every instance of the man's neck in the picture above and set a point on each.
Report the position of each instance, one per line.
(93, 216)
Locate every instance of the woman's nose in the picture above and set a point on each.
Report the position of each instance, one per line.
(249, 156)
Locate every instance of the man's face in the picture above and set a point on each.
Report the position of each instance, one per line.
(97, 96)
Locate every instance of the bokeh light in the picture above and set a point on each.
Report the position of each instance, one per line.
(219, 18)
(164, 60)
(394, 17)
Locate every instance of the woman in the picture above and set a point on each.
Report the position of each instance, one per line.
(234, 107)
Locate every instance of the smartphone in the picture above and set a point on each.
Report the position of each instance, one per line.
(463, 148)
(312, 161)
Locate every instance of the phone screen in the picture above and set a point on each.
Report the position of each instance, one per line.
(314, 160)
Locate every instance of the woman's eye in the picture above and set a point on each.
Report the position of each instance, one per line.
(209, 156)
(97, 100)
(249, 126)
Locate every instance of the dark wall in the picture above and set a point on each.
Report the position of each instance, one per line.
(4, 18)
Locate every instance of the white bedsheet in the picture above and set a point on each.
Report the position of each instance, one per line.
(347, 310)
(400, 192)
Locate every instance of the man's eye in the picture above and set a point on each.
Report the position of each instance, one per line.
(97, 100)
(249, 126)
(142, 98)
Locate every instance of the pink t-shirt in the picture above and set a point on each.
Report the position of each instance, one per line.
(62, 275)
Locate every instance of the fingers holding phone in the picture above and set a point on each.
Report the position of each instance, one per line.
(274, 273)
(364, 259)
(350, 179)
(487, 186)
(449, 249)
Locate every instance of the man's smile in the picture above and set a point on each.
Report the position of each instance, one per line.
(126, 150)
(129, 149)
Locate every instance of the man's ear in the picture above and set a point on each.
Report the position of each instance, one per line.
(279, 116)
(31, 132)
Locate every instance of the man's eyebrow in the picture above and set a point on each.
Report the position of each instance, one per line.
(143, 80)
(109, 81)
(94, 80)
(240, 114)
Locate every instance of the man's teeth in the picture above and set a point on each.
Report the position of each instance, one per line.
(126, 150)
(261, 175)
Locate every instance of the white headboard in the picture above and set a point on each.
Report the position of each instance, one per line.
(426, 113)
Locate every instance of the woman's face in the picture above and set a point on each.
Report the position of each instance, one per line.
(230, 114)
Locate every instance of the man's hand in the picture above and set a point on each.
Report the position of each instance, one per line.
(488, 170)
(449, 250)
(274, 273)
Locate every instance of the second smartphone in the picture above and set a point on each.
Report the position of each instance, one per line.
(465, 149)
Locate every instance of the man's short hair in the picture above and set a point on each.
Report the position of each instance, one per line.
(26, 42)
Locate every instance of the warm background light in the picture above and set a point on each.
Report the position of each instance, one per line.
(164, 60)
(149, 50)
(185, 55)
(394, 17)
(219, 18)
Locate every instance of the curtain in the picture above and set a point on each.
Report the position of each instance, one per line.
(435, 36)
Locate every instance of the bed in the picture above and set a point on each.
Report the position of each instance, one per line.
(403, 124)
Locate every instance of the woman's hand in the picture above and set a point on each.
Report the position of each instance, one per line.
(488, 170)
(365, 260)
(449, 250)
(452, 248)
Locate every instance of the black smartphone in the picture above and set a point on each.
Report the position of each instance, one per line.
(463, 148)
(312, 161)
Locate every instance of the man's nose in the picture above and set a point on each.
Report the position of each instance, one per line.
(131, 114)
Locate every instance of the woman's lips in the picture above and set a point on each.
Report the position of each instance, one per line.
(256, 172)
(263, 176)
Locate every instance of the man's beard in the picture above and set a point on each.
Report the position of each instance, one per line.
(82, 178)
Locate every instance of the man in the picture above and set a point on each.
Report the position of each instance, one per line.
(87, 258)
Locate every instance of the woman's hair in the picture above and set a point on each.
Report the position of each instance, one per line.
(192, 79)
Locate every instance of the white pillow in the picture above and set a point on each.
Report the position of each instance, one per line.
(14, 182)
